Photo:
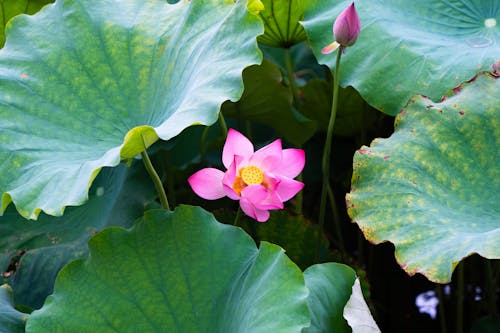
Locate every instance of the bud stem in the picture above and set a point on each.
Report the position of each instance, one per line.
(326, 154)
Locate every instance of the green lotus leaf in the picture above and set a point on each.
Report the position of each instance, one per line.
(4, 263)
(178, 271)
(408, 47)
(281, 20)
(11, 8)
(294, 233)
(268, 101)
(86, 84)
(357, 313)
(330, 285)
(11, 320)
(117, 197)
(433, 186)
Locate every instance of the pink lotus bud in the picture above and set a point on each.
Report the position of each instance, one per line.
(345, 30)
(347, 26)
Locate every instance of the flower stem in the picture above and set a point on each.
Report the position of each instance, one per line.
(222, 124)
(291, 76)
(237, 218)
(156, 180)
(203, 146)
(336, 219)
(327, 150)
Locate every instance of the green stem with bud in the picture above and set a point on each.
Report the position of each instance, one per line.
(327, 151)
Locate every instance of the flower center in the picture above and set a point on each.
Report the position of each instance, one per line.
(252, 175)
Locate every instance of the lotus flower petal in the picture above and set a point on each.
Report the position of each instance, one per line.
(249, 209)
(269, 157)
(292, 163)
(288, 188)
(207, 183)
(236, 144)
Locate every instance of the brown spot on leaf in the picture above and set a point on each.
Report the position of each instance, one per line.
(386, 157)
(474, 78)
(462, 112)
(348, 204)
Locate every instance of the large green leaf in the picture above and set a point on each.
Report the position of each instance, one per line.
(86, 83)
(11, 320)
(268, 101)
(409, 47)
(281, 20)
(292, 232)
(117, 197)
(432, 188)
(11, 8)
(331, 287)
(178, 271)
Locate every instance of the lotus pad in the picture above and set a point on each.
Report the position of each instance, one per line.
(11, 320)
(117, 197)
(87, 83)
(281, 19)
(409, 47)
(178, 271)
(11, 8)
(432, 188)
(330, 286)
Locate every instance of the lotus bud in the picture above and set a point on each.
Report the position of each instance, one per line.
(345, 30)
(347, 26)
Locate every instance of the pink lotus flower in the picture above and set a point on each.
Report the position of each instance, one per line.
(260, 180)
(346, 30)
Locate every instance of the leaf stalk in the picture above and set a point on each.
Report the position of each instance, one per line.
(156, 180)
